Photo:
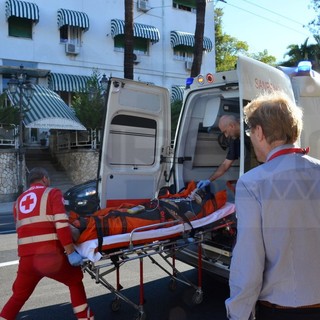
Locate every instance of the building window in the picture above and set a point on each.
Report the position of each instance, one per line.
(186, 5)
(140, 45)
(70, 34)
(20, 27)
(183, 53)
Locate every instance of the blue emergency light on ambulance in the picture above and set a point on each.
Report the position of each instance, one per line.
(304, 66)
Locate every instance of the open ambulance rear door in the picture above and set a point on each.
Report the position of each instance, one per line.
(256, 78)
(306, 88)
(135, 142)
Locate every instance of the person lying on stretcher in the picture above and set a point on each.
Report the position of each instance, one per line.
(188, 205)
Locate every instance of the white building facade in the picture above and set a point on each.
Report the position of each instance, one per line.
(59, 43)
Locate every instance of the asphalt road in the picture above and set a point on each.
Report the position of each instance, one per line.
(51, 299)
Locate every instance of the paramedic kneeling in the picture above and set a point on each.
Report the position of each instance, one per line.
(275, 262)
(45, 247)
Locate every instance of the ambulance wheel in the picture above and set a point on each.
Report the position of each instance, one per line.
(197, 298)
(115, 305)
(172, 285)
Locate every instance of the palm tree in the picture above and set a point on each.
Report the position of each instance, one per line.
(128, 40)
(298, 53)
(198, 38)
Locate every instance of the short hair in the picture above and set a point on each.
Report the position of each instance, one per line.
(279, 117)
(230, 118)
(37, 174)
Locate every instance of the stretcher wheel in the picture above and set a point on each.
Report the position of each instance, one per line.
(115, 305)
(172, 284)
(141, 316)
(197, 297)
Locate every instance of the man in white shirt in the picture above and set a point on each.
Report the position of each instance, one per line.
(275, 263)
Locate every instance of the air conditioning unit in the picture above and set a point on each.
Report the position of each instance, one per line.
(189, 65)
(136, 59)
(72, 48)
(143, 5)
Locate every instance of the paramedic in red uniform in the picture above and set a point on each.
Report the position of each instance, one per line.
(45, 247)
(275, 262)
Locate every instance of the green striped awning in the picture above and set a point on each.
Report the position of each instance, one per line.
(177, 93)
(73, 18)
(68, 82)
(179, 38)
(139, 30)
(47, 110)
(22, 9)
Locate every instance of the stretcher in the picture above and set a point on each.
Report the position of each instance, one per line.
(163, 240)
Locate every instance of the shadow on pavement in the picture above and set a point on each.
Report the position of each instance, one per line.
(161, 303)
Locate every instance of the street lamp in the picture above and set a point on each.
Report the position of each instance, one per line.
(19, 84)
(104, 82)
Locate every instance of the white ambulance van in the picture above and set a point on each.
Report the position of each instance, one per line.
(138, 159)
(306, 88)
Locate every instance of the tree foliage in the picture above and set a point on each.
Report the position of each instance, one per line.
(8, 113)
(314, 25)
(89, 105)
(304, 51)
(228, 47)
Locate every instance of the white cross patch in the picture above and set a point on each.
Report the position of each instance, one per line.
(28, 203)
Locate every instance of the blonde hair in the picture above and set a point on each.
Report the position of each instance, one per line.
(279, 117)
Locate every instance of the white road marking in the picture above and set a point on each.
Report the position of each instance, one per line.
(9, 263)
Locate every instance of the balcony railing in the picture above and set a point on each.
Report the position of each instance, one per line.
(90, 139)
(8, 135)
(78, 139)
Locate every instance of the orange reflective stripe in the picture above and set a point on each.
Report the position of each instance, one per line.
(36, 239)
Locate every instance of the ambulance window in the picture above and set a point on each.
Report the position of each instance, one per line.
(132, 141)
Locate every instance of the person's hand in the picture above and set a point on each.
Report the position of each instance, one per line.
(75, 259)
(203, 183)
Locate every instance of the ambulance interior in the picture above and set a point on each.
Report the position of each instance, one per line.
(201, 143)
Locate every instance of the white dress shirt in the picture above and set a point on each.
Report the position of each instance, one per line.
(277, 254)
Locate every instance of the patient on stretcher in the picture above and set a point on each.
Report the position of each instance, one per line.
(184, 207)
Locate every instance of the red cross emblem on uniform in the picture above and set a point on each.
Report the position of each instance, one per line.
(28, 202)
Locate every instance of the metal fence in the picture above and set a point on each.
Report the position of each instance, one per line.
(90, 139)
(78, 139)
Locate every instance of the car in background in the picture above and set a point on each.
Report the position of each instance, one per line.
(82, 198)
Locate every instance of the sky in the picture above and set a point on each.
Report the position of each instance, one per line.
(268, 24)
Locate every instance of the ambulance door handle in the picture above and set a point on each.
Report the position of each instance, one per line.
(183, 159)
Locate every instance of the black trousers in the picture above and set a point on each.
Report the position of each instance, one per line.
(267, 313)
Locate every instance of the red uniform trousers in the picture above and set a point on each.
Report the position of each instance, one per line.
(55, 266)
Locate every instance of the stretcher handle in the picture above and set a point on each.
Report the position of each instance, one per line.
(160, 224)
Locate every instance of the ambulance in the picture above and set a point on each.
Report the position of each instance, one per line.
(139, 162)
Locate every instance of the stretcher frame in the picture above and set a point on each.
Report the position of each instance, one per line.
(166, 249)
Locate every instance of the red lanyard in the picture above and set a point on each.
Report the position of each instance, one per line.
(290, 150)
